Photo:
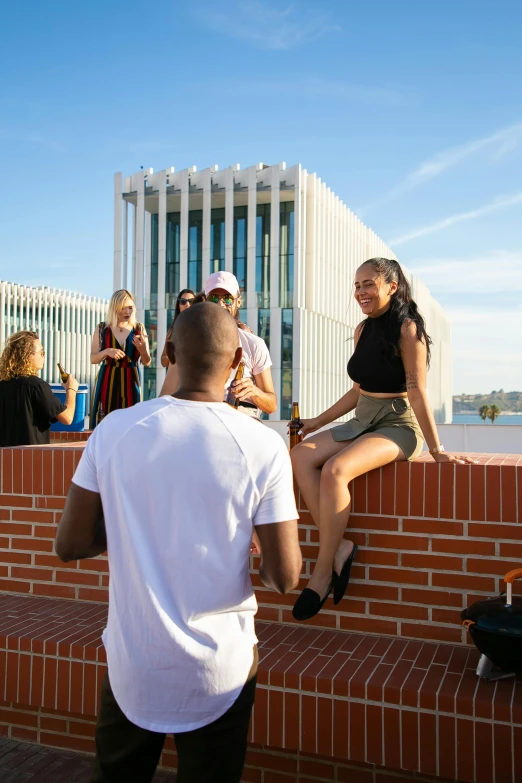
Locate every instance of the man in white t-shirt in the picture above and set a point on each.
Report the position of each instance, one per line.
(255, 391)
(173, 488)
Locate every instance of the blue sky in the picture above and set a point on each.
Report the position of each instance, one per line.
(411, 112)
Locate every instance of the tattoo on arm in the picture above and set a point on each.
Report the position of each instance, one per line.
(412, 380)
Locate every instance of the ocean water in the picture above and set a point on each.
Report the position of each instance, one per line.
(472, 418)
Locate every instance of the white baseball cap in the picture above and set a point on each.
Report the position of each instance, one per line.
(225, 280)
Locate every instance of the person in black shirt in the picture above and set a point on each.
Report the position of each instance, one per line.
(27, 405)
(393, 418)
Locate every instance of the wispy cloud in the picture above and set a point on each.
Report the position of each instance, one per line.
(497, 145)
(492, 148)
(460, 217)
(474, 274)
(266, 26)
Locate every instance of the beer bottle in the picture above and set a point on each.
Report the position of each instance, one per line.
(294, 426)
(63, 375)
(100, 413)
(231, 397)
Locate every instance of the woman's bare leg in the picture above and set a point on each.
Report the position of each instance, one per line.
(368, 452)
(308, 457)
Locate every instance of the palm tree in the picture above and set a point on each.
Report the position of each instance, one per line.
(493, 413)
(483, 412)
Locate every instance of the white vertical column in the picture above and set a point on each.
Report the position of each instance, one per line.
(162, 271)
(117, 230)
(133, 255)
(207, 209)
(275, 310)
(229, 217)
(183, 231)
(124, 283)
(139, 291)
(4, 314)
(251, 302)
(148, 261)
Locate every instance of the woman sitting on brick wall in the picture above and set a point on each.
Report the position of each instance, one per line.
(393, 417)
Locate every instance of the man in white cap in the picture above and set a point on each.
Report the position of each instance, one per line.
(255, 391)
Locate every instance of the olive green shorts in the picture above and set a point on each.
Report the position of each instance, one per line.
(392, 418)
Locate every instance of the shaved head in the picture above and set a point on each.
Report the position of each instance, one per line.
(206, 340)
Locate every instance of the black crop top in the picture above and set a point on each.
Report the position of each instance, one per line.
(371, 365)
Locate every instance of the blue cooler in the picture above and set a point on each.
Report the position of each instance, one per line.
(80, 412)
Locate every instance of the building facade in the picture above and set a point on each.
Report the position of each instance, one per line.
(64, 321)
(294, 247)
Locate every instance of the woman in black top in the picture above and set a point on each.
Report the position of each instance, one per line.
(27, 405)
(393, 417)
(185, 299)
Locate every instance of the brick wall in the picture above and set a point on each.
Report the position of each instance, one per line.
(432, 539)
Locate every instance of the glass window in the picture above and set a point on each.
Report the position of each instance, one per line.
(263, 255)
(172, 280)
(154, 228)
(217, 240)
(286, 253)
(287, 334)
(149, 373)
(195, 249)
(263, 325)
(240, 246)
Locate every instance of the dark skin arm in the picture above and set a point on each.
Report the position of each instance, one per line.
(81, 530)
(281, 559)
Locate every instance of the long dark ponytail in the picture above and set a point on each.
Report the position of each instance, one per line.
(402, 306)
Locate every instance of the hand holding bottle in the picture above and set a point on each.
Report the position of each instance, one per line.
(71, 383)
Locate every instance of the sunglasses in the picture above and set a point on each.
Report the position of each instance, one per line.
(228, 301)
(184, 301)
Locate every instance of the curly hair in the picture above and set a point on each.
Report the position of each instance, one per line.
(15, 360)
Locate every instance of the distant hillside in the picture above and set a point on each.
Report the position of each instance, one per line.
(508, 402)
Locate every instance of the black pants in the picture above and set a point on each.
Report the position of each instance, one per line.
(126, 753)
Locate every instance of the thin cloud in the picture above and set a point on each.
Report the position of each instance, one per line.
(265, 26)
(494, 206)
(473, 274)
(495, 146)
(499, 144)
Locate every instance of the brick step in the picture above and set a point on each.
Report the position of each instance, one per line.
(404, 705)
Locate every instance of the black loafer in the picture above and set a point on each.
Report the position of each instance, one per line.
(341, 580)
(309, 603)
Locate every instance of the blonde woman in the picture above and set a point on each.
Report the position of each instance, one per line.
(119, 344)
(27, 405)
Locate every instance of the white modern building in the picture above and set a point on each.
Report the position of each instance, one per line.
(64, 321)
(294, 247)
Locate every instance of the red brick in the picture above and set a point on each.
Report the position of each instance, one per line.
(17, 471)
(478, 492)
(15, 557)
(16, 501)
(54, 590)
(12, 586)
(446, 615)
(38, 574)
(464, 582)
(78, 578)
(433, 527)
(38, 545)
(428, 631)
(397, 541)
(14, 529)
(24, 735)
(508, 478)
(491, 566)
(65, 741)
(358, 522)
(88, 594)
(378, 592)
(378, 557)
(464, 546)
(509, 532)
(368, 625)
(430, 561)
(400, 611)
(462, 499)
(399, 575)
(32, 516)
(493, 493)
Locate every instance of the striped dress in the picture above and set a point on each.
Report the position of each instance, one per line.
(118, 381)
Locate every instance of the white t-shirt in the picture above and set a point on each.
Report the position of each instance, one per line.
(256, 357)
(182, 484)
